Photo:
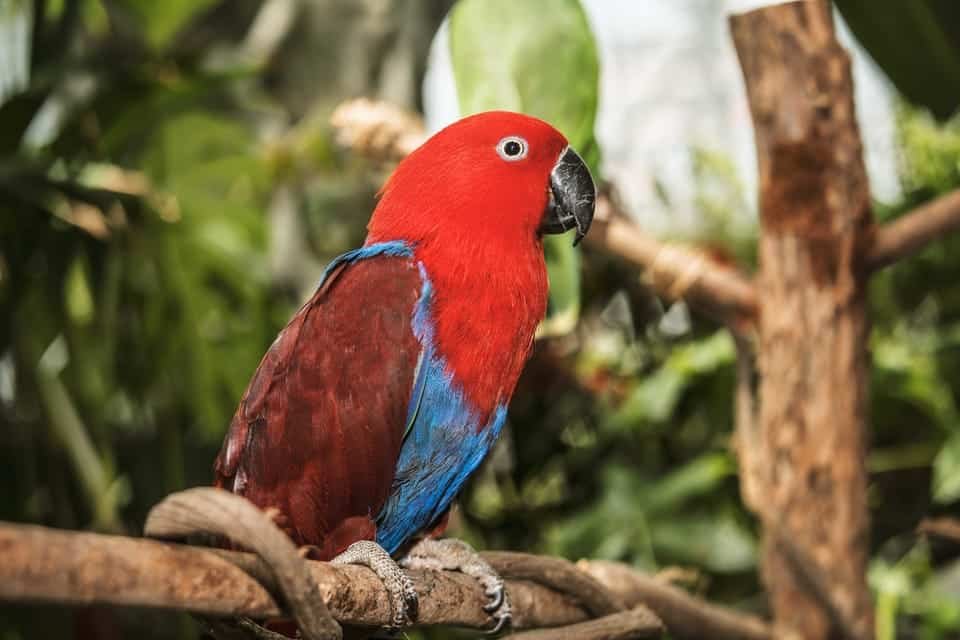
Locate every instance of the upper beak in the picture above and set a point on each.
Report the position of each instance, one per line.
(572, 197)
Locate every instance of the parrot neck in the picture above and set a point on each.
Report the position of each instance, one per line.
(486, 304)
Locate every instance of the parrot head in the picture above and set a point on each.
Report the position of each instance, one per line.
(499, 176)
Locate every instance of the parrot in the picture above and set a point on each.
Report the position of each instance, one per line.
(390, 385)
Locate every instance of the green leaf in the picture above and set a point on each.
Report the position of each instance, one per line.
(563, 273)
(917, 44)
(656, 395)
(714, 541)
(907, 360)
(521, 56)
(77, 294)
(946, 472)
(678, 517)
(653, 400)
(696, 478)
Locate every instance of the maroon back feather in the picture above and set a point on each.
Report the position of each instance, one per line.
(318, 431)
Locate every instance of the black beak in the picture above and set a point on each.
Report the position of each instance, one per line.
(572, 197)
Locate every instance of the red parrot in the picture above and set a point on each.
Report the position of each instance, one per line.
(390, 385)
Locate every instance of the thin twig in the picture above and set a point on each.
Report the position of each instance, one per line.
(948, 528)
(682, 614)
(627, 625)
(914, 230)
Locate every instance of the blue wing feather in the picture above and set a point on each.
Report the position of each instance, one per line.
(443, 444)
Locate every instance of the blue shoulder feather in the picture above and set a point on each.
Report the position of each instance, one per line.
(395, 248)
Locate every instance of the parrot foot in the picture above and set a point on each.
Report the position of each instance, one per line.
(403, 596)
(457, 555)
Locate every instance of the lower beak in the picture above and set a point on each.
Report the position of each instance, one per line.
(572, 197)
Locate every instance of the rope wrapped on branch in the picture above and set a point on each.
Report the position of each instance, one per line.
(554, 596)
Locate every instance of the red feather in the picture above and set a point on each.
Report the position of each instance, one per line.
(318, 431)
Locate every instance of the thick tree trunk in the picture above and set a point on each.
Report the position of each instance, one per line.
(804, 463)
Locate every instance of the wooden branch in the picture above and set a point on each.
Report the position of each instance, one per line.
(209, 511)
(626, 625)
(561, 576)
(681, 613)
(914, 231)
(75, 568)
(947, 528)
(810, 444)
(675, 271)
(44, 565)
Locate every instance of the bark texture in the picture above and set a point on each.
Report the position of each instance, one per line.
(803, 459)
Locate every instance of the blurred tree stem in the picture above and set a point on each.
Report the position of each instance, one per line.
(103, 492)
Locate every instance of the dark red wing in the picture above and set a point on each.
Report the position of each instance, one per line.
(319, 429)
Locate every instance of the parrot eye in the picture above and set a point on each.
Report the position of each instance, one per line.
(512, 148)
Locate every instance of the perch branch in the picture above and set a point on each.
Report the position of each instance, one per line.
(74, 568)
(205, 510)
(914, 230)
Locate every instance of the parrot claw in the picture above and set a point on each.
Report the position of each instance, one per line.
(496, 599)
(456, 555)
(404, 601)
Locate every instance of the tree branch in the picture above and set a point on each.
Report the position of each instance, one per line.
(626, 625)
(675, 271)
(914, 231)
(76, 568)
(684, 615)
(947, 528)
(44, 565)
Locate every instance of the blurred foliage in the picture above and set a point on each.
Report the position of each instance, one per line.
(162, 209)
(136, 286)
(133, 251)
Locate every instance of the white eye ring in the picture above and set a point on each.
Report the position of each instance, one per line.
(512, 148)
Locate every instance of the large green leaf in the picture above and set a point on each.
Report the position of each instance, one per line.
(539, 58)
(917, 43)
